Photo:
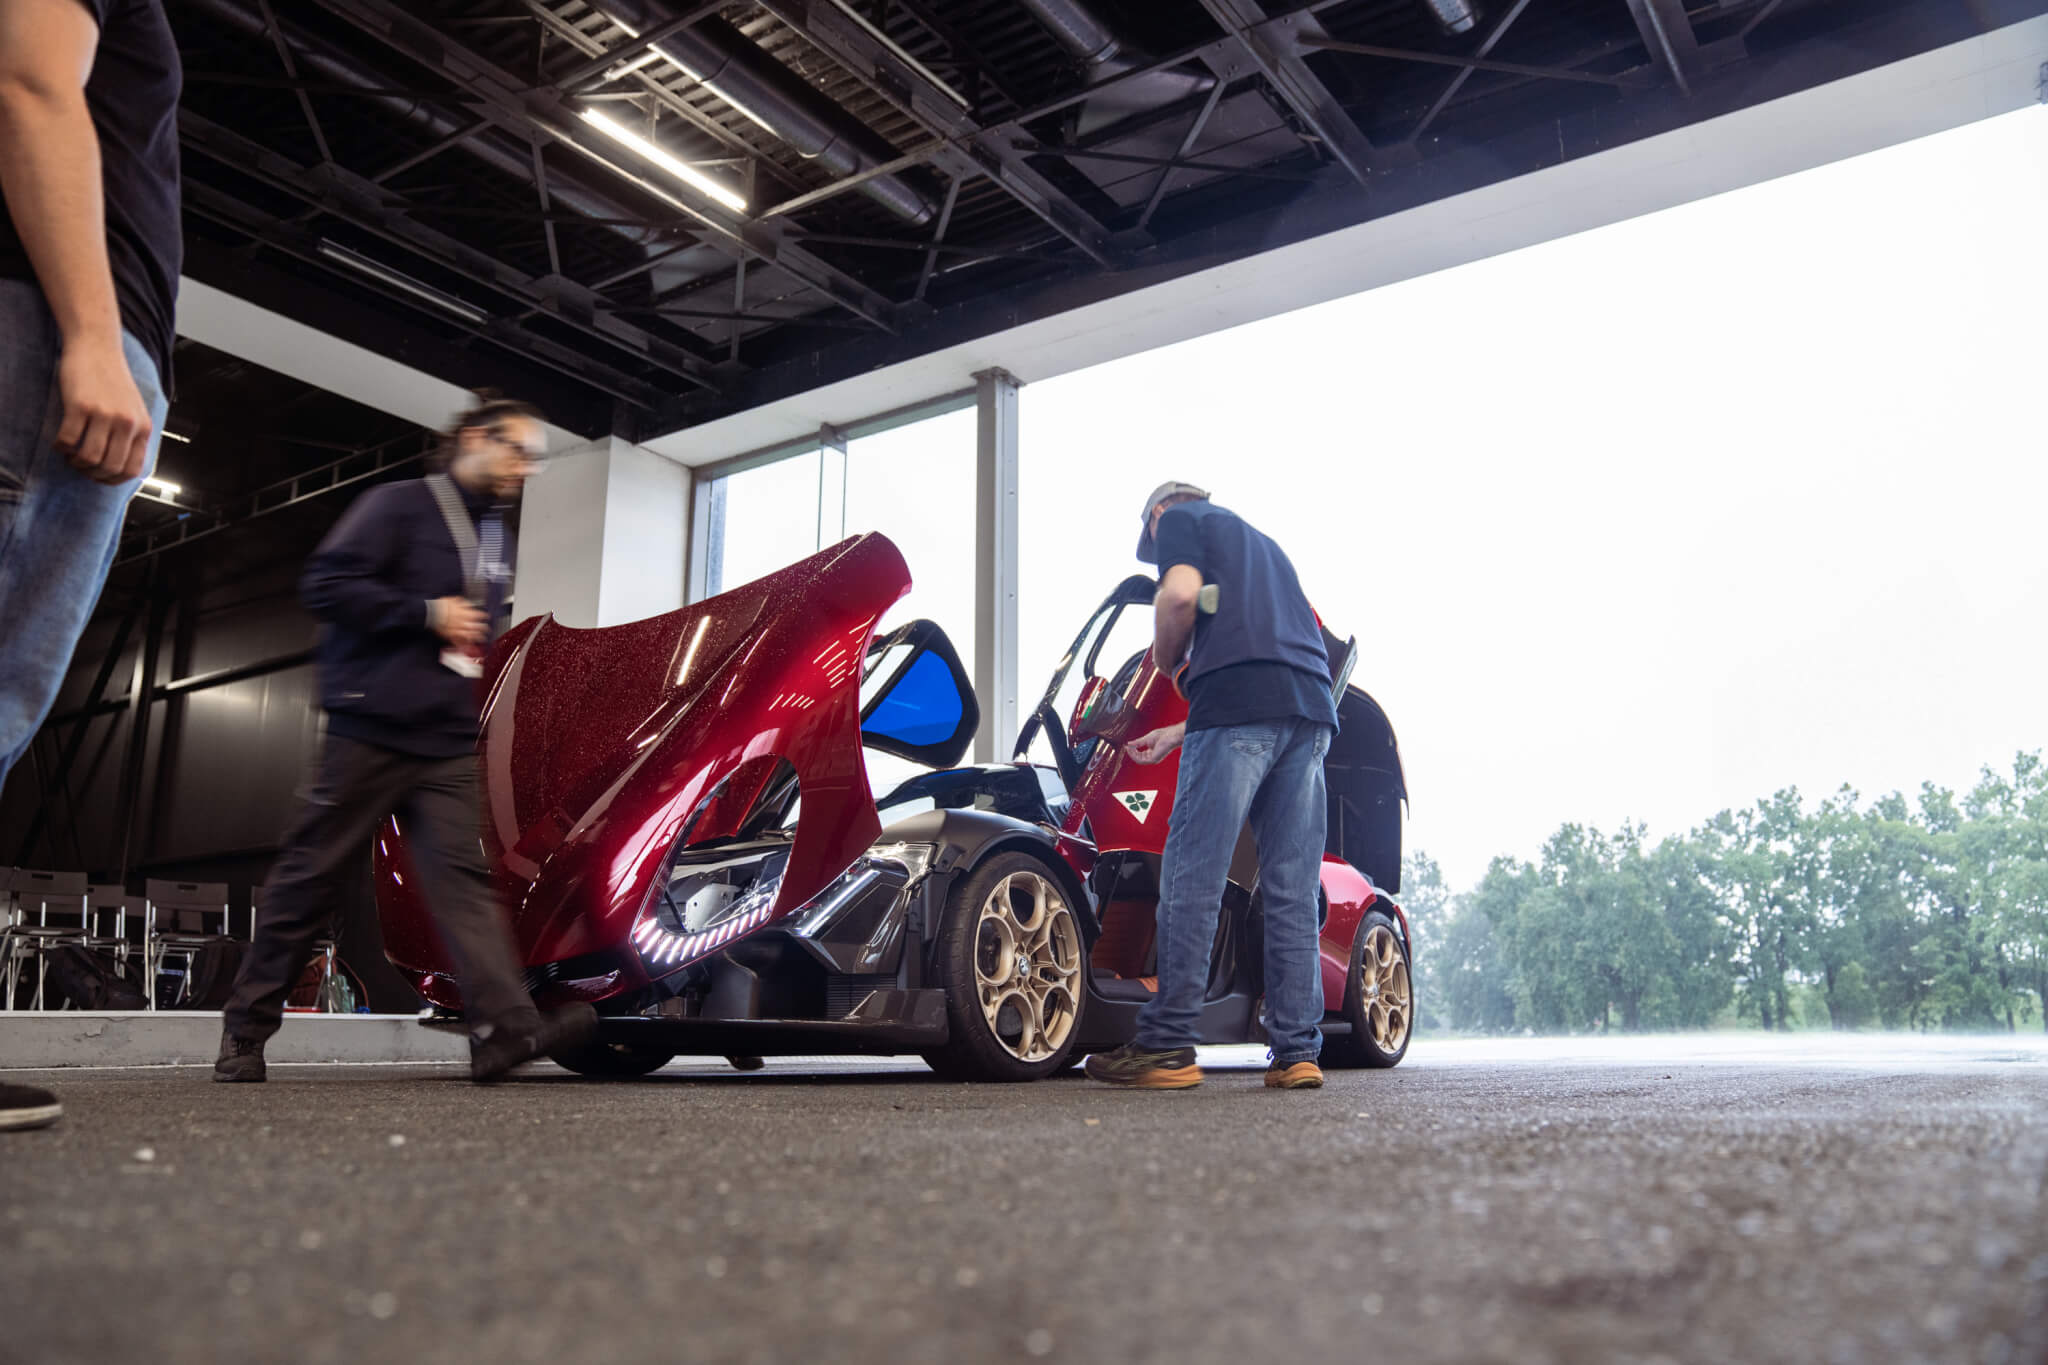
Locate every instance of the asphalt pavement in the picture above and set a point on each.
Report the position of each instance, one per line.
(1667, 1200)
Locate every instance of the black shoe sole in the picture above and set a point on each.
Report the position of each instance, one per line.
(565, 1029)
(31, 1116)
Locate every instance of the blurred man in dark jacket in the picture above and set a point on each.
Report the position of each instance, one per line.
(409, 586)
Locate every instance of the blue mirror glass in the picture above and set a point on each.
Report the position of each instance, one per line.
(921, 707)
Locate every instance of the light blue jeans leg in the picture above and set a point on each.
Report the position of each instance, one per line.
(58, 529)
(1220, 771)
(1289, 819)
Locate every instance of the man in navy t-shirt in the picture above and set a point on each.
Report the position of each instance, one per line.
(1231, 623)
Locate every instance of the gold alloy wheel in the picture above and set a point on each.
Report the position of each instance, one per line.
(1383, 989)
(1027, 966)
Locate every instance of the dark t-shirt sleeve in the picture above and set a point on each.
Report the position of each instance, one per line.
(132, 94)
(1180, 541)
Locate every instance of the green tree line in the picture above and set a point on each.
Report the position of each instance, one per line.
(1928, 913)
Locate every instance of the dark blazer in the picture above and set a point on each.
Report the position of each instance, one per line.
(381, 676)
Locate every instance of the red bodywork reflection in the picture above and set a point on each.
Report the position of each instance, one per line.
(598, 745)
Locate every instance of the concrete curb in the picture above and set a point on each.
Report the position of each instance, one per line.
(42, 1039)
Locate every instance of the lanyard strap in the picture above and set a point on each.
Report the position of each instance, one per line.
(464, 531)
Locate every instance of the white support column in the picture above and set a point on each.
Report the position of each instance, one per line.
(831, 485)
(995, 564)
(604, 536)
(707, 539)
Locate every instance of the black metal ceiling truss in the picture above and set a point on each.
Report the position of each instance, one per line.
(1280, 52)
(148, 537)
(1669, 37)
(692, 208)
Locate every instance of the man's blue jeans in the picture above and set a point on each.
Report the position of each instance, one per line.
(58, 529)
(1272, 774)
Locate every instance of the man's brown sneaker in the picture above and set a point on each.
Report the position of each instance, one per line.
(1294, 1076)
(1138, 1069)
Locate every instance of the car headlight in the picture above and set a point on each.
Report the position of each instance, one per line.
(705, 900)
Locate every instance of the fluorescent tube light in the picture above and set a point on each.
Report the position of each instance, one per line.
(417, 288)
(163, 486)
(627, 68)
(174, 436)
(689, 175)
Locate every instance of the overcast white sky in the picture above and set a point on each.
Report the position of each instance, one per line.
(1643, 523)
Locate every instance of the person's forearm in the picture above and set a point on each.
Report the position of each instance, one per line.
(50, 173)
(1173, 622)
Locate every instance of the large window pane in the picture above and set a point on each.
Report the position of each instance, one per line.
(770, 519)
(914, 484)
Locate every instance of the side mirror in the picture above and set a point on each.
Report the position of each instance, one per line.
(917, 701)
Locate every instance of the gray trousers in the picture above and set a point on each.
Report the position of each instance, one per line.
(355, 787)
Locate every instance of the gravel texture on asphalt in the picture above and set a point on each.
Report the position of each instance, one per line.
(1519, 1209)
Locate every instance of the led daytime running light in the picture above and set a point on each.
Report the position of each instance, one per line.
(662, 949)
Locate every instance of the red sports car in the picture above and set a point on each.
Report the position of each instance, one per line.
(679, 814)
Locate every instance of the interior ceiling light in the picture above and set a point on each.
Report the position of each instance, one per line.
(163, 486)
(174, 436)
(1457, 16)
(419, 289)
(639, 63)
(681, 170)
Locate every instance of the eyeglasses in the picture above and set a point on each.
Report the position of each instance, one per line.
(537, 458)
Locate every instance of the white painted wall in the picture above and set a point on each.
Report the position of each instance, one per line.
(604, 536)
(561, 536)
(646, 535)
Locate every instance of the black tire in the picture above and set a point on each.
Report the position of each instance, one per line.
(1363, 1047)
(977, 1048)
(612, 1059)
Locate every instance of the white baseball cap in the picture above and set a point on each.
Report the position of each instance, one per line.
(1148, 552)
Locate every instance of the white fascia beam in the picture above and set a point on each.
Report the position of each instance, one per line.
(216, 318)
(1992, 74)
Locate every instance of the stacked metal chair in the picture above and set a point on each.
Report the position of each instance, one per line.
(175, 926)
(110, 903)
(45, 911)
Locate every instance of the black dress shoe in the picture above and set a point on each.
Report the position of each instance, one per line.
(24, 1106)
(562, 1030)
(241, 1059)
